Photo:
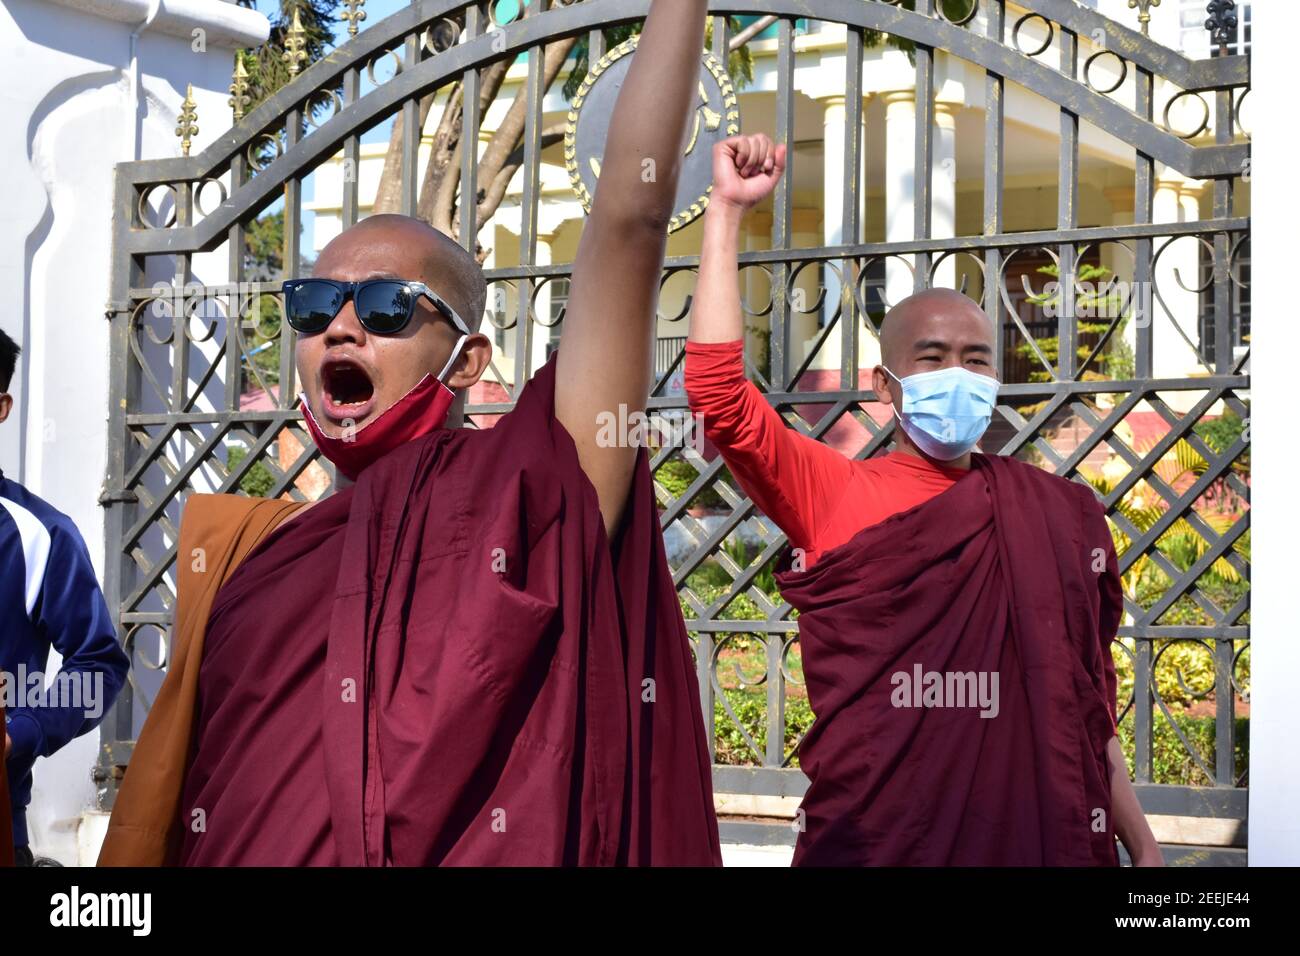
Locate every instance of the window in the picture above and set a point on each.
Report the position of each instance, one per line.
(1026, 286)
(559, 289)
(1239, 302)
(1242, 43)
(1194, 39)
(873, 290)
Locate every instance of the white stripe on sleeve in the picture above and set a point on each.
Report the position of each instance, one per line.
(36, 548)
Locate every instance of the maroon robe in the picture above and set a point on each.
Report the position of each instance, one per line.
(449, 663)
(1012, 572)
(261, 753)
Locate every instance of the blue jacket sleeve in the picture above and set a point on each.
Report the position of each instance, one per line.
(71, 614)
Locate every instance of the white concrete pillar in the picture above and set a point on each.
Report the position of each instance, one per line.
(1189, 200)
(1275, 520)
(900, 188)
(755, 287)
(833, 134)
(1121, 202)
(1176, 277)
(943, 188)
(805, 319)
(74, 103)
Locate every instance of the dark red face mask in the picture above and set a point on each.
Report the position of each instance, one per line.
(421, 411)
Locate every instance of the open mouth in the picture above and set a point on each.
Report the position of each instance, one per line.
(347, 391)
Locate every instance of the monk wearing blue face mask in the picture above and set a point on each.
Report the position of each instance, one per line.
(956, 609)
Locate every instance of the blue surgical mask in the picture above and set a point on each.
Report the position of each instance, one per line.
(946, 411)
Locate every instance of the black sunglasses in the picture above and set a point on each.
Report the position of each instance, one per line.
(384, 306)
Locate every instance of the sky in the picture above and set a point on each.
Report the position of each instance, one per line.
(375, 12)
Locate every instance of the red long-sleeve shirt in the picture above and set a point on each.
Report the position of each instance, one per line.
(816, 495)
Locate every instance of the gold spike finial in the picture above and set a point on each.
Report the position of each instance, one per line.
(186, 122)
(353, 14)
(1143, 8)
(239, 98)
(295, 45)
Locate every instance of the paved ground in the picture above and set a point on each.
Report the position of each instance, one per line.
(736, 854)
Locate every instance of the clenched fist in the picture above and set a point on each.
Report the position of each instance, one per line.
(745, 169)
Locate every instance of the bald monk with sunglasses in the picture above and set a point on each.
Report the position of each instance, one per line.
(473, 653)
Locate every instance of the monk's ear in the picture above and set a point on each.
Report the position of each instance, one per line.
(881, 385)
(473, 362)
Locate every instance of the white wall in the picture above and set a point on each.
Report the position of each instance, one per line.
(71, 114)
(1275, 638)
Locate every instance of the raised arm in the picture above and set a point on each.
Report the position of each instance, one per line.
(745, 170)
(606, 352)
(794, 479)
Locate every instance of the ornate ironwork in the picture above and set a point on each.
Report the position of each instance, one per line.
(203, 378)
(1143, 8)
(353, 14)
(295, 45)
(239, 86)
(187, 120)
(1222, 22)
(715, 117)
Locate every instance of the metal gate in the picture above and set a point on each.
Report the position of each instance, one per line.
(183, 346)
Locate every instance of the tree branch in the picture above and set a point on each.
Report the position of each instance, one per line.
(751, 31)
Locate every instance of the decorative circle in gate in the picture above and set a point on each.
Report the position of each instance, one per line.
(716, 116)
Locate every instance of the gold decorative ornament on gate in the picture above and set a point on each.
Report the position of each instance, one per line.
(715, 117)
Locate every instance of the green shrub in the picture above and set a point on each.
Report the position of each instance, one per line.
(1184, 672)
(677, 474)
(750, 707)
(1116, 360)
(1220, 434)
(1170, 760)
(258, 480)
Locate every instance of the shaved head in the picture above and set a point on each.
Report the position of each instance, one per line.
(351, 375)
(926, 332)
(914, 319)
(440, 262)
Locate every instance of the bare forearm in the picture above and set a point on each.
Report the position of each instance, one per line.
(605, 357)
(1130, 822)
(643, 150)
(715, 311)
